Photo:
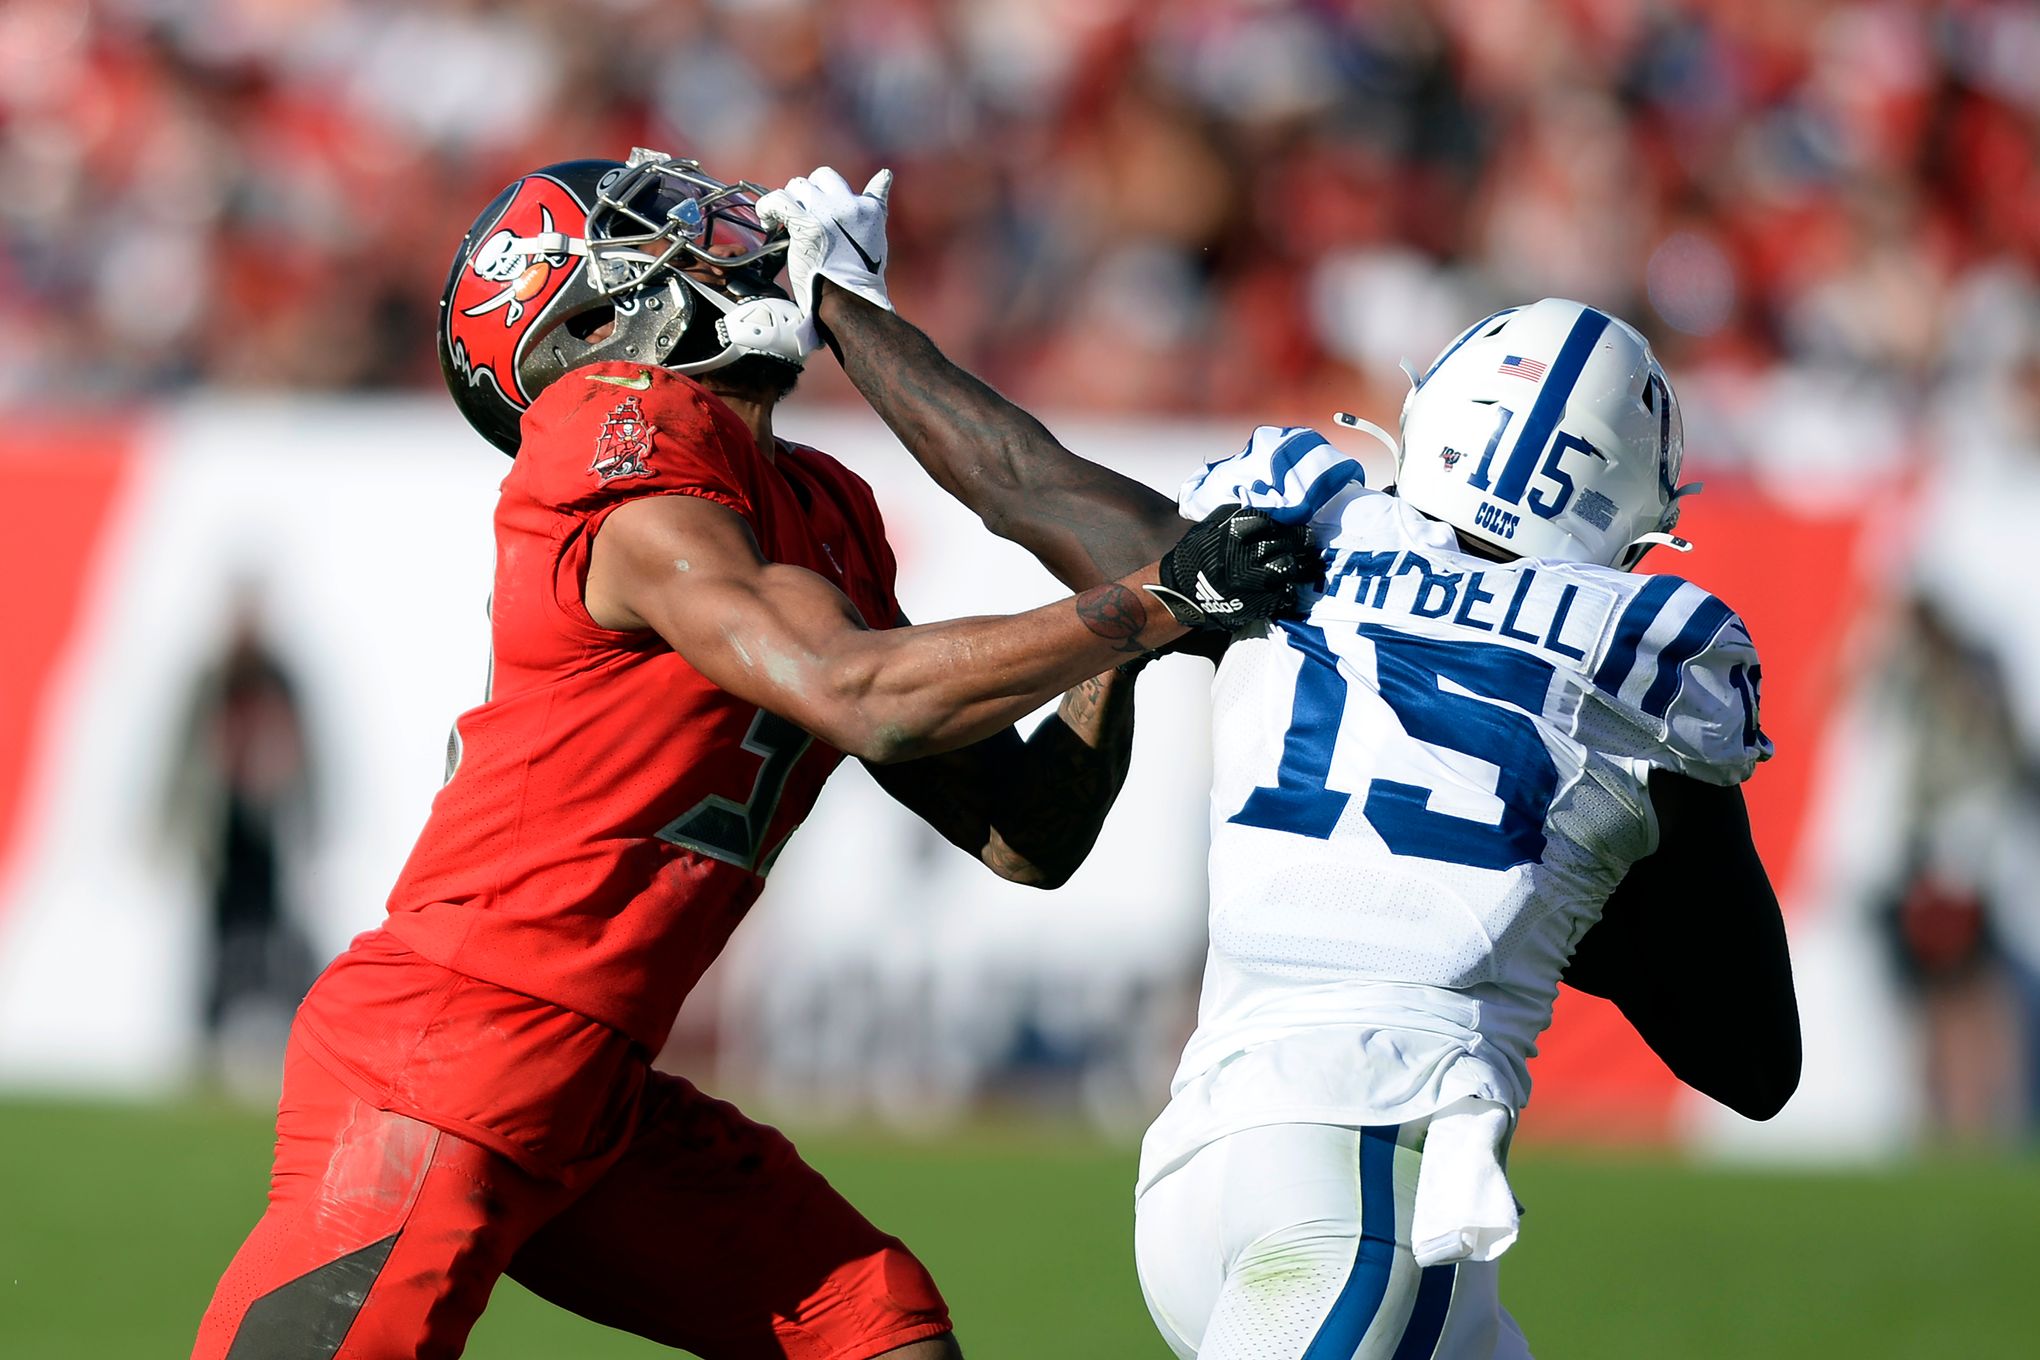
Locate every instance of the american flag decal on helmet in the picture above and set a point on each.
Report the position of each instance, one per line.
(1530, 370)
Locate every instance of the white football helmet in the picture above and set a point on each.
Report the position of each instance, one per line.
(1548, 431)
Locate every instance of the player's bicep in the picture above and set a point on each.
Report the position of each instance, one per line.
(691, 571)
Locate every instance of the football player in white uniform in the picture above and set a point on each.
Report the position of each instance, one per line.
(1482, 738)
(1425, 791)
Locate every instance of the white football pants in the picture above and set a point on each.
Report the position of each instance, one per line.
(1292, 1242)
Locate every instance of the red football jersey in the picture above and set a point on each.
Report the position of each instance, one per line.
(613, 813)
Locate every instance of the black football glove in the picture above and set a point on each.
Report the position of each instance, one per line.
(1236, 567)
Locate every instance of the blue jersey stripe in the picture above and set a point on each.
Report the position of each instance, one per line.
(1630, 628)
(1427, 1318)
(1707, 620)
(1345, 1327)
(1552, 396)
(1475, 329)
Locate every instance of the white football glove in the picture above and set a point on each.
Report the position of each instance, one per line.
(832, 233)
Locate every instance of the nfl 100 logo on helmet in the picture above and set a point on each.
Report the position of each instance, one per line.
(503, 289)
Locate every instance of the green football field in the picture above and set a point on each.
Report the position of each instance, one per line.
(115, 1220)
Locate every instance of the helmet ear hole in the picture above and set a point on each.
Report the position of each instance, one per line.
(592, 325)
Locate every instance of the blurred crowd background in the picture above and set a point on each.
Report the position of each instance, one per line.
(1826, 216)
(1206, 205)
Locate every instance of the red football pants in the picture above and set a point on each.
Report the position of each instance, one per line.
(384, 1236)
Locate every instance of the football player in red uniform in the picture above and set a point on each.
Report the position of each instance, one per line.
(693, 621)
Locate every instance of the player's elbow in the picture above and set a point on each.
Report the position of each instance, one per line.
(881, 734)
(1028, 874)
(1038, 857)
(1763, 1088)
(1770, 1094)
(1000, 500)
(856, 711)
(887, 743)
(1007, 487)
(1764, 1102)
(876, 737)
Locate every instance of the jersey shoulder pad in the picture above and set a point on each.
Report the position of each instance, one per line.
(612, 432)
(1680, 663)
(1289, 471)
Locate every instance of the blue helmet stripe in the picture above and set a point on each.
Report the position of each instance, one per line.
(1552, 396)
(1475, 329)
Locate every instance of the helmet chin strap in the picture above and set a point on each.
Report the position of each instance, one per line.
(761, 325)
(1672, 541)
(1368, 427)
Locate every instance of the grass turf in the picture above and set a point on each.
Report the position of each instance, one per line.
(115, 1220)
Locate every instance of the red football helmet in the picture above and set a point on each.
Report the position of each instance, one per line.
(527, 300)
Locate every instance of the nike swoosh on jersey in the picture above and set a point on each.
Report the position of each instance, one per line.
(874, 265)
(641, 383)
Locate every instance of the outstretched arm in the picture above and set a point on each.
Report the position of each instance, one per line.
(785, 639)
(1086, 523)
(1692, 949)
(1030, 810)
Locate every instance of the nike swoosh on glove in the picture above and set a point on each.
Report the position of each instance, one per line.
(1236, 567)
(832, 233)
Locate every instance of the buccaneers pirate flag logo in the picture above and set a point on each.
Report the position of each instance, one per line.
(624, 443)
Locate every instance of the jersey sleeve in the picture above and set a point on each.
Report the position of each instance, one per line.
(1290, 472)
(610, 433)
(1680, 664)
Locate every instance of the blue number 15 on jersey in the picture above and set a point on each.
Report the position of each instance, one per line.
(1484, 714)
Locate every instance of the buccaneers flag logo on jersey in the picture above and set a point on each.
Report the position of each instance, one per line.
(624, 443)
(505, 289)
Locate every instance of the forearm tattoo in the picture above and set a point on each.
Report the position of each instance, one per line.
(1084, 704)
(1114, 613)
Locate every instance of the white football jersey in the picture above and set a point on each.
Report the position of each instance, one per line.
(1424, 791)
